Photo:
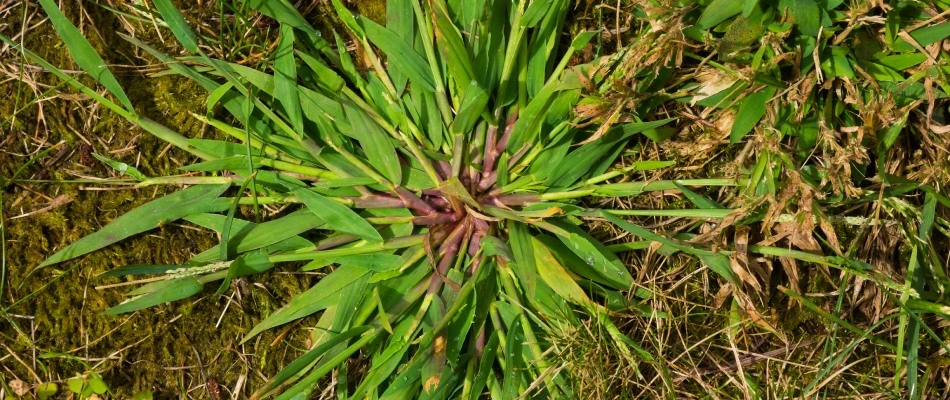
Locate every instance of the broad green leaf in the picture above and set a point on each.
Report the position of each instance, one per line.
(375, 142)
(456, 54)
(262, 235)
(901, 62)
(337, 216)
(193, 200)
(924, 37)
(552, 273)
(474, 103)
(121, 167)
(322, 295)
(179, 27)
(45, 391)
(751, 110)
(524, 266)
(718, 11)
(716, 261)
(594, 254)
(400, 55)
(170, 290)
(285, 78)
(805, 14)
(84, 54)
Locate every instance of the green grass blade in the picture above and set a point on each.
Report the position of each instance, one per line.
(193, 200)
(451, 45)
(551, 272)
(322, 295)
(400, 54)
(285, 78)
(179, 27)
(122, 167)
(718, 11)
(379, 150)
(311, 356)
(258, 236)
(593, 254)
(751, 110)
(170, 290)
(285, 13)
(84, 54)
(337, 216)
(474, 103)
(524, 266)
(716, 261)
(514, 362)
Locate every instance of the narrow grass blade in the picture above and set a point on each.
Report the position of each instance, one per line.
(263, 234)
(594, 255)
(751, 110)
(84, 54)
(337, 216)
(400, 55)
(474, 103)
(380, 152)
(716, 261)
(122, 167)
(311, 356)
(322, 295)
(179, 27)
(552, 273)
(524, 265)
(193, 200)
(285, 78)
(170, 290)
(451, 45)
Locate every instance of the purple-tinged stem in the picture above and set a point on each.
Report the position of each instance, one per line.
(518, 199)
(515, 158)
(444, 169)
(439, 277)
(475, 177)
(439, 203)
(376, 201)
(509, 126)
(452, 241)
(488, 179)
(412, 201)
(488, 163)
(498, 146)
(332, 242)
(435, 219)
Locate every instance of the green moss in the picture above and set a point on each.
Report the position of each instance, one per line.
(58, 309)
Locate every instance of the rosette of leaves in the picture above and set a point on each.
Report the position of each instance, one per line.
(443, 189)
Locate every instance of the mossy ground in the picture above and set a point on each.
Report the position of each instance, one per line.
(172, 350)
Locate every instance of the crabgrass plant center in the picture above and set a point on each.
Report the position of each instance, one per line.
(439, 176)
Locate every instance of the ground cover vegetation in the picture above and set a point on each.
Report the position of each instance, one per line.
(501, 199)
